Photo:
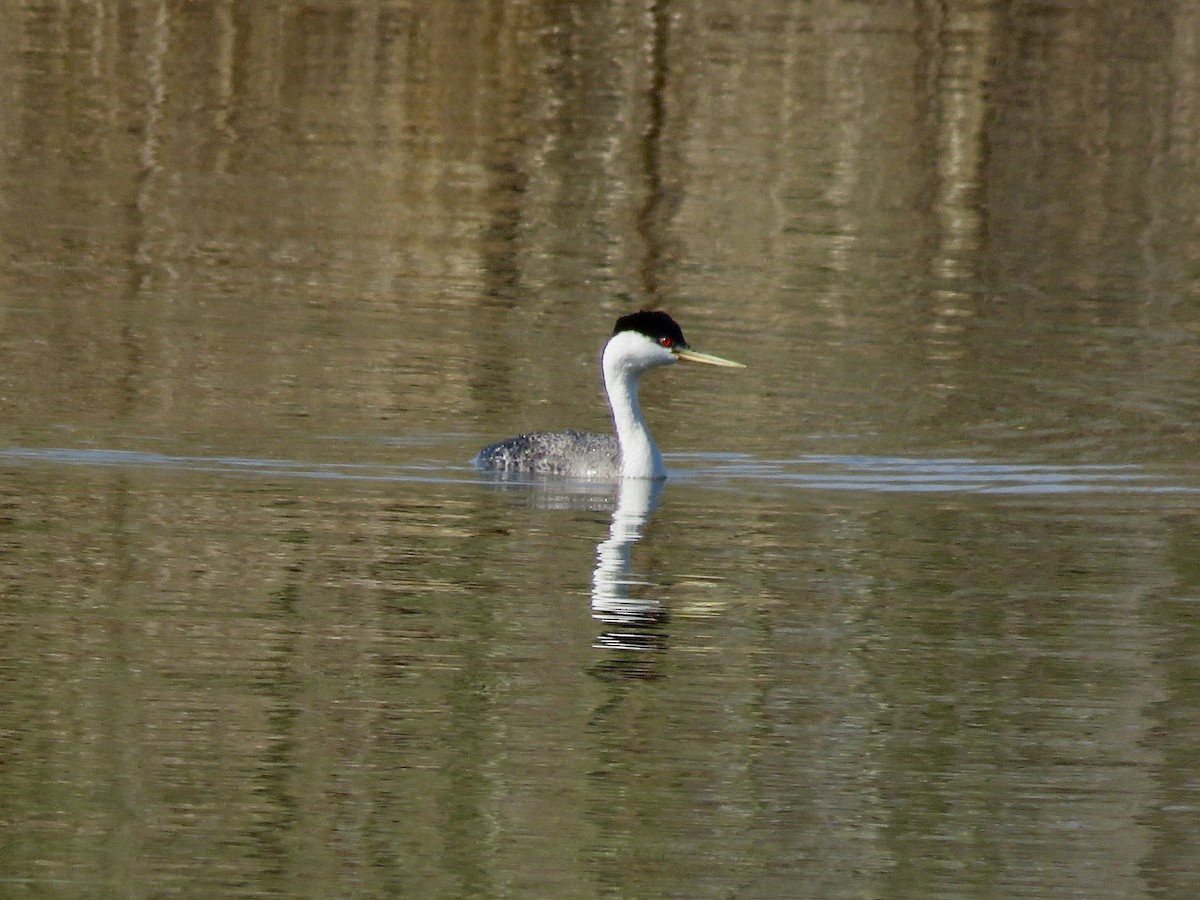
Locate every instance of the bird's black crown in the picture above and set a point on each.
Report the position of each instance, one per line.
(654, 324)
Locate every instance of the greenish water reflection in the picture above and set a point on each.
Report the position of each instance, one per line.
(386, 687)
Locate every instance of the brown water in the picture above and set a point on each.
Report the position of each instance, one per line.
(917, 613)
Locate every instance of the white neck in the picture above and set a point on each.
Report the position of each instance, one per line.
(639, 454)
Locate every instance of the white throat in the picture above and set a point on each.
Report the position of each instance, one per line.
(623, 368)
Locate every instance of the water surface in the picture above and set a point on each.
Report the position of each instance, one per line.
(916, 613)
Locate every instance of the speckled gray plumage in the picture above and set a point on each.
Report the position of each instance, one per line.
(574, 453)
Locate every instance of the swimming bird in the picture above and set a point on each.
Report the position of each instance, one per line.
(640, 341)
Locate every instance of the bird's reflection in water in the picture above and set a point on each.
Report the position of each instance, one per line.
(637, 622)
(554, 492)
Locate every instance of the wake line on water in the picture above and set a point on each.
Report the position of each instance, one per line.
(815, 472)
(230, 465)
(961, 475)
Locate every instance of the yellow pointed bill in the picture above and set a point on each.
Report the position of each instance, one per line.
(708, 358)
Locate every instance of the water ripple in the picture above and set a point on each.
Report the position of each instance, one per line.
(233, 465)
(812, 472)
(894, 473)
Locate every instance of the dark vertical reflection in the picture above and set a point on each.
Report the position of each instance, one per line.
(466, 788)
(654, 212)
(140, 231)
(505, 151)
(1173, 719)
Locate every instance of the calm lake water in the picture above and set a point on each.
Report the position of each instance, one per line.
(917, 613)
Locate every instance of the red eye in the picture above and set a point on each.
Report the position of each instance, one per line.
(665, 342)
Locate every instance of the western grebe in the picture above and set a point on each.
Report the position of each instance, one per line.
(640, 341)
